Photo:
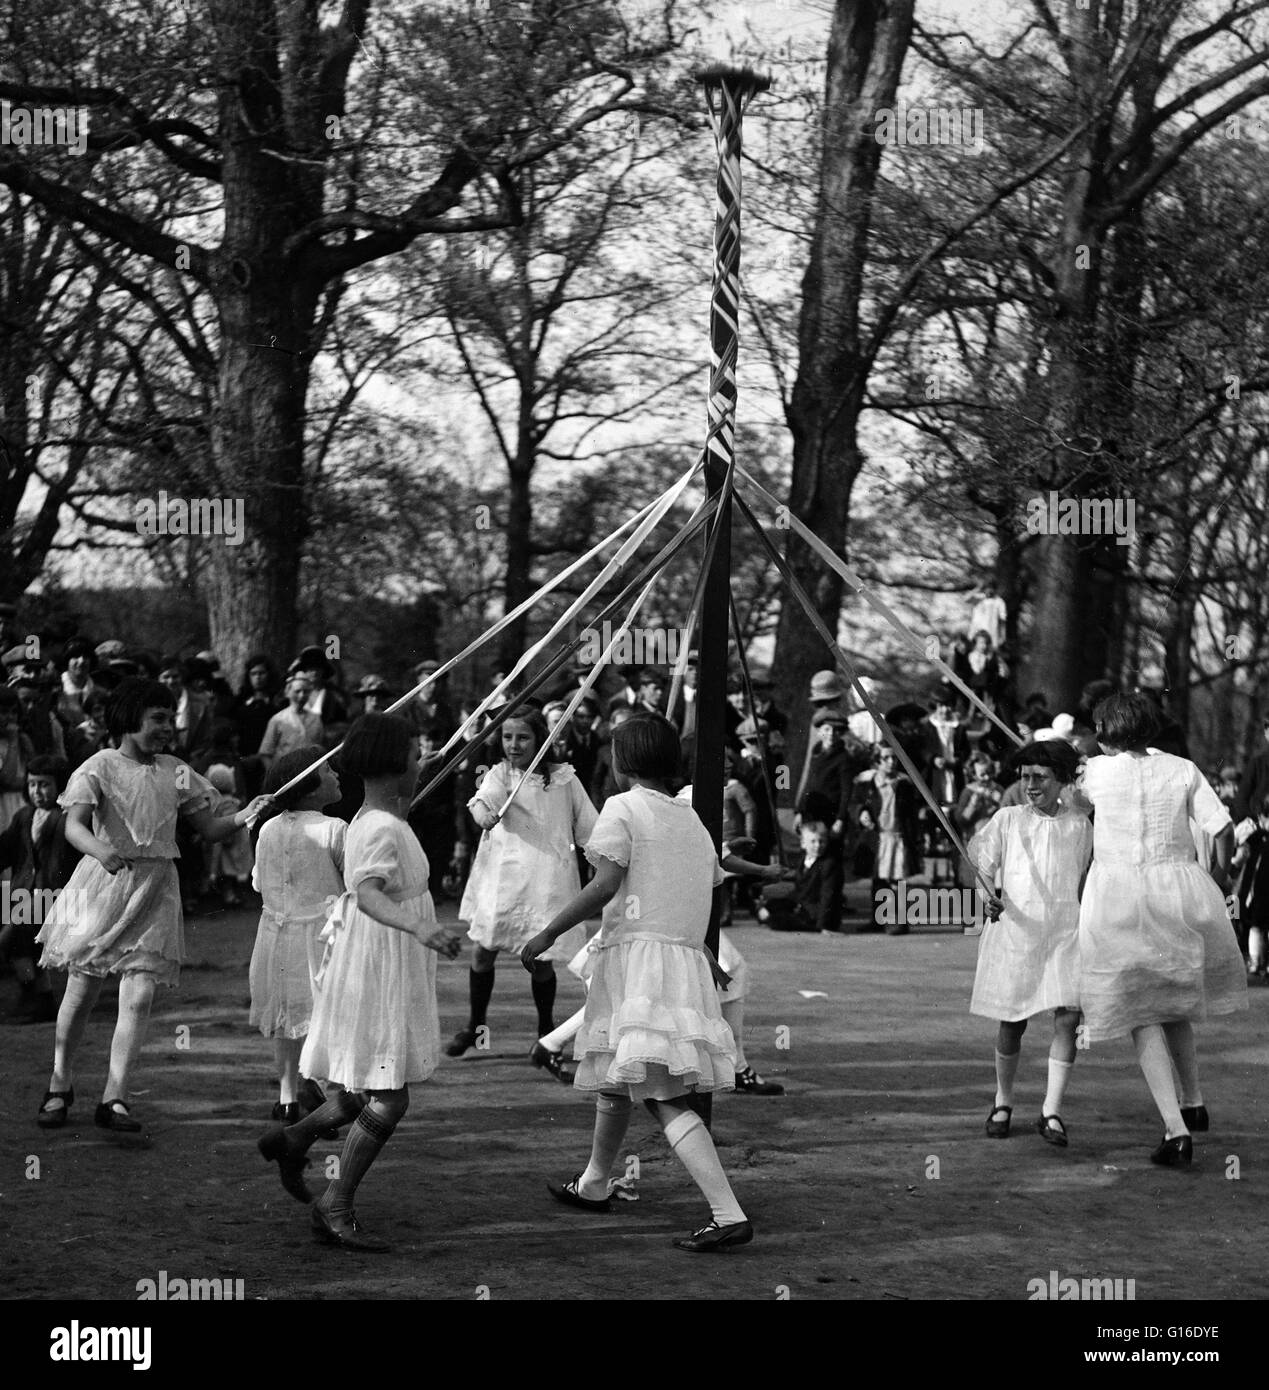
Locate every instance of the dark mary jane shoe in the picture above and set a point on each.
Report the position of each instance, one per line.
(552, 1062)
(346, 1232)
(1177, 1152)
(714, 1237)
(568, 1194)
(1052, 1130)
(999, 1129)
(114, 1115)
(57, 1116)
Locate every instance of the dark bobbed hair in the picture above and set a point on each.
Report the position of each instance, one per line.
(1126, 721)
(49, 765)
(77, 646)
(647, 745)
(288, 766)
(377, 745)
(130, 701)
(265, 660)
(1053, 753)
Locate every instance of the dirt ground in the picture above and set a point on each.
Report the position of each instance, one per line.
(870, 1179)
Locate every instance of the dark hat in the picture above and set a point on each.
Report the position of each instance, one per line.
(426, 667)
(826, 685)
(372, 685)
(908, 710)
(830, 716)
(312, 659)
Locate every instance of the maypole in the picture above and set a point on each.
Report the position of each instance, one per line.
(728, 92)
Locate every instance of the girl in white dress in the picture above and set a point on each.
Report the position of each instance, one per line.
(120, 911)
(374, 1027)
(1157, 947)
(298, 874)
(1028, 954)
(653, 1029)
(525, 870)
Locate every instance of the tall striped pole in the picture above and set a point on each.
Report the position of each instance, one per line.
(728, 92)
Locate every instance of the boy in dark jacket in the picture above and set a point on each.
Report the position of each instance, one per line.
(34, 846)
(816, 901)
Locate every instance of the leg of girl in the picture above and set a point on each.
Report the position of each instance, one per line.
(1180, 1037)
(288, 1146)
(1156, 1066)
(334, 1219)
(694, 1148)
(1061, 1060)
(1008, 1050)
(72, 1018)
(480, 982)
(286, 1056)
(544, 985)
(136, 994)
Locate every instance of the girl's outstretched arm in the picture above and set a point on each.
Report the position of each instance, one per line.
(600, 890)
(217, 828)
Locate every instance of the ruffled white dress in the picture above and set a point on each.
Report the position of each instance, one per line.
(1029, 960)
(525, 868)
(299, 874)
(653, 1028)
(1156, 942)
(129, 922)
(375, 1024)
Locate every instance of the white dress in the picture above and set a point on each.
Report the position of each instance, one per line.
(525, 868)
(129, 922)
(375, 1025)
(653, 1028)
(1029, 960)
(1156, 942)
(298, 873)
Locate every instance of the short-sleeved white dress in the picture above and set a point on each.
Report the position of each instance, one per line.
(1029, 959)
(129, 922)
(653, 1028)
(1156, 942)
(375, 1024)
(299, 874)
(525, 868)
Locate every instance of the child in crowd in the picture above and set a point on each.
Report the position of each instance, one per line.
(815, 903)
(34, 848)
(1252, 858)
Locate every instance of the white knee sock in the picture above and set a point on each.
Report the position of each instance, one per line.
(1156, 1067)
(1059, 1075)
(1180, 1040)
(612, 1119)
(1256, 947)
(554, 1040)
(691, 1142)
(734, 1017)
(1006, 1070)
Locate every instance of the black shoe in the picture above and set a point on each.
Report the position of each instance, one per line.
(462, 1040)
(1195, 1117)
(346, 1231)
(1177, 1152)
(285, 1114)
(55, 1118)
(715, 1237)
(568, 1194)
(749, 1083)
(1052, 1130)
(114, 1115)
(274, 1149)
(999, 1129)
(552, 1062)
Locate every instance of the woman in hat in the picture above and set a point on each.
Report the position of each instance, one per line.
(77, 684)
(374, 694)
(324, 700)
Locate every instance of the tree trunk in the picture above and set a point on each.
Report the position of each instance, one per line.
(519, 553)
(866, 50)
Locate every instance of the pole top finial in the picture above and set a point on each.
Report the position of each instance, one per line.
(744, 79)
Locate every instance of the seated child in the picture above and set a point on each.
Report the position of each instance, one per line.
(815, 903)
